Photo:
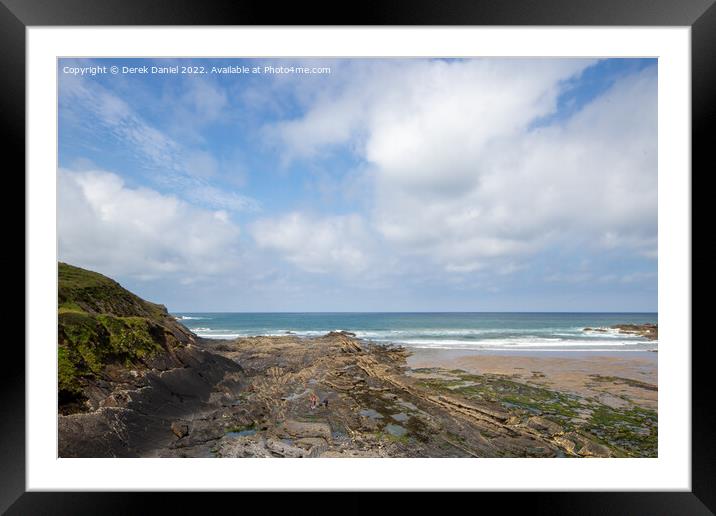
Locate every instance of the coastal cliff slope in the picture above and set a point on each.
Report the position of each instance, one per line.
(126, 368)
(101, 325)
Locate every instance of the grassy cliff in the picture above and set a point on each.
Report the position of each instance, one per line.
(100, 324)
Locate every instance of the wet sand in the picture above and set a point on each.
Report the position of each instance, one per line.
(611, 378)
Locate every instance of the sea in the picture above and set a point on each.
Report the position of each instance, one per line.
(457, 331)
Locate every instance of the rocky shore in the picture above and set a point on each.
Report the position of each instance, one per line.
(647, 330)
(329, 396)
(336, 396)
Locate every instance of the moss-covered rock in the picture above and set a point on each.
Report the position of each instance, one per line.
(70, 387)
(634, 429)
(630, 431)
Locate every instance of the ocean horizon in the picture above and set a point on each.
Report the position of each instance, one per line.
(534, 331)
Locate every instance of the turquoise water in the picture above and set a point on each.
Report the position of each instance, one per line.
(488, 331)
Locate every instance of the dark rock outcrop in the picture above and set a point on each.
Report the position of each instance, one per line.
(133, 422)
(648, 330)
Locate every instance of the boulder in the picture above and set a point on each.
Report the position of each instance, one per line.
(205, 430)
(293, 428)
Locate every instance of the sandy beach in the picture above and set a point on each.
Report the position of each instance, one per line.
(603, 376)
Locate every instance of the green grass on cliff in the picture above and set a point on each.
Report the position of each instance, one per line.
(88, 291)
(94, 341)
(101, 323)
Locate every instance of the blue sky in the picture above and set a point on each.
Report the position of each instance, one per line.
(380, 185)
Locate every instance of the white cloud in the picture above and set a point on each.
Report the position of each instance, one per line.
(318, 244)
(105, 225)
(460, 176)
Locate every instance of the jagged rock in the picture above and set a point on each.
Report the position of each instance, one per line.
(180, 429)
(592, 449)
(544, 426)
(243, 447)
(340, 333)
(283, 449)
(315, 445)
(648, 330)
(568, 444)
(369, 424)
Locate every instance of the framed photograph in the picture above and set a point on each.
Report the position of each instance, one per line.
(423, 249)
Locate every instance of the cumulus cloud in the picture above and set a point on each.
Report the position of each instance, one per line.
(385, 108)
(462, 176)
(105, 225)
(340, 244)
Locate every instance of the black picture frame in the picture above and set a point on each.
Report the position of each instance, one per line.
(17, 15)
